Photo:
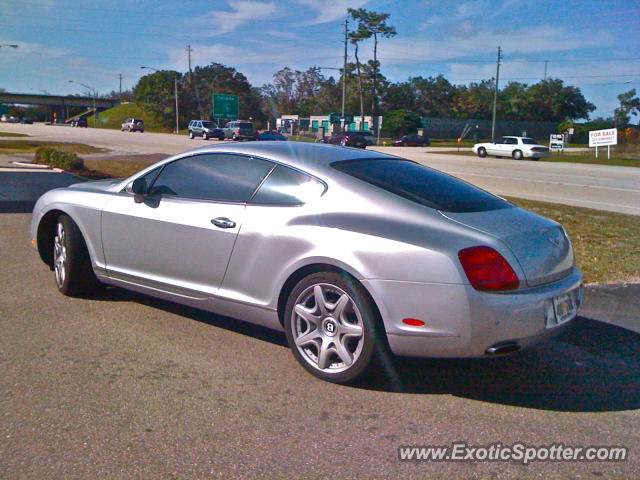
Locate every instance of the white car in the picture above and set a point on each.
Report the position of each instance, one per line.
(515, 147)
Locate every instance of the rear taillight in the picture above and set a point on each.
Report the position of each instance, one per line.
(487, 270)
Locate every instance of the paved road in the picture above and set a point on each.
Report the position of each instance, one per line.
(125, 386)
(595, 186)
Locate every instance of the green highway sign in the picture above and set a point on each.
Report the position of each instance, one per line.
(225, 106)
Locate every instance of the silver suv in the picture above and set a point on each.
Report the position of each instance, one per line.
(240, 130)
(205, 129)
(133, 125)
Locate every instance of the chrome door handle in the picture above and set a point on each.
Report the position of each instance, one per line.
(223, 222)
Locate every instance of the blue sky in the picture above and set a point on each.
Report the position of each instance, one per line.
(591, 44)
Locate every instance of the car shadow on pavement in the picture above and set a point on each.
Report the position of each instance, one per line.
(231, 324)
(591, 367)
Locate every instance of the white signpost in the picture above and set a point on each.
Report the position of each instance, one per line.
(601, 138)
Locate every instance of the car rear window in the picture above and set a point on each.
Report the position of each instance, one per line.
(422, 185)
(529, 141)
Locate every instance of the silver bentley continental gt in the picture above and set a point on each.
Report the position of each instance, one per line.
(353, 254)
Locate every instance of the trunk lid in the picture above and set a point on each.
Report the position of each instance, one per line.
(539, 244)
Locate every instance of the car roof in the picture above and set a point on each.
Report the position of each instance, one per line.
(313, 158)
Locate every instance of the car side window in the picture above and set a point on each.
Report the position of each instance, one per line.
(218, 177)
(285, 186)
(511, 141)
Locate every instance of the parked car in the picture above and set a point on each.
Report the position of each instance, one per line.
(367, 135)
(240, 130)
(205, 129)
(452, 271)
(271, 135)
(515, 147)
(412, 141)
(26, 121)
(79, 122)
(347, 139)
(133, 125)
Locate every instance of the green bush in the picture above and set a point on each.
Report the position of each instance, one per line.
(57, 159)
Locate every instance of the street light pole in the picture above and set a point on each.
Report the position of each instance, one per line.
(175, 92)
(94, 93)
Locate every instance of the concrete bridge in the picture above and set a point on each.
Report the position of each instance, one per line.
(57, 100)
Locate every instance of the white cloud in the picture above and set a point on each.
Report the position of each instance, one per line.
(330, 11)
(243, 11)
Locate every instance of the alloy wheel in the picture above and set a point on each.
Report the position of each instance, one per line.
(60, 255)
(327, 328)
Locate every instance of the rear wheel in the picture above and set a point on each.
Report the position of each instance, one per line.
(517, 154)
(333, 327)
(190, 134)
(482, 152)
(234, 137)
(71, 262)
(205, 136)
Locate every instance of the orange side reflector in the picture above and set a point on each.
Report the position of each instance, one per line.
(414, 322)
(33, 241)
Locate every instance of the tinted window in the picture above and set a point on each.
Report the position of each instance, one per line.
(511, 141)
(208, 124)
(231, 178)
(529, 141)
(245, 125)
(286, 186)
(422, 185)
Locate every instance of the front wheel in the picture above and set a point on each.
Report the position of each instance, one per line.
(332, 327)
(191, 135)
(71, 262)
(482, 152)
(517, 155)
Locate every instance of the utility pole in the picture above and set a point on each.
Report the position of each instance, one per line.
(545, 68)
(120, 77)
(344, 74)
(175, 87)
(189, 50)
(495, 96)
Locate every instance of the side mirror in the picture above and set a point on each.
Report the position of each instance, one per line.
(138, 186)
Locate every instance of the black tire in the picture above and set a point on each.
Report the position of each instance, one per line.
(191, 136)
(482, 152)
(234, 137)
(517, 155)
(343, 143)
(205, 136)
(71, 261)
(367, 348)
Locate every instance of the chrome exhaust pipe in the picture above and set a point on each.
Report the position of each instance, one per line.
(503, 349)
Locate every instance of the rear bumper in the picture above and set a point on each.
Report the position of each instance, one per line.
(463, 322)
(537, 155)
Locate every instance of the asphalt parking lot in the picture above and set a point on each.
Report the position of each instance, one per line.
(126, 386)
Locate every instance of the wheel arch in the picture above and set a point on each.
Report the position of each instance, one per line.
(309, 269)
(45, 233)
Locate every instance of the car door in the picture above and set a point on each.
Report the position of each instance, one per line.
(495, 147)
(179, 237)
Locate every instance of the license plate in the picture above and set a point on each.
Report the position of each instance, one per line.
(565, 307)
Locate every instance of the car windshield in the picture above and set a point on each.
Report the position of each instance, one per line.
(422, 185)
(208, 124)
(529, 141)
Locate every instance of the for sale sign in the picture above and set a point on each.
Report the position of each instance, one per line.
(600, 138)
